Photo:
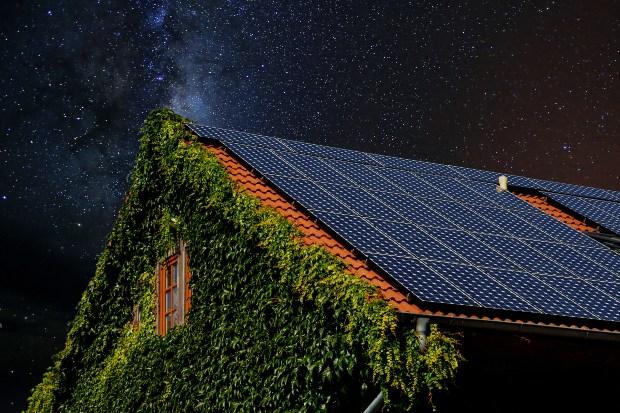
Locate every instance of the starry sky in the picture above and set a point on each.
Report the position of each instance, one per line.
(522, 87)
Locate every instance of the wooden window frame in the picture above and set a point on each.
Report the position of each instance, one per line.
(173, 312)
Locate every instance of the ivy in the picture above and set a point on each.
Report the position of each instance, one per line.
(275, 324)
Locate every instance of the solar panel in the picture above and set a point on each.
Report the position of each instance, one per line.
(360, 234)
(505, 200)
(611, 289)
(329, 152)
(455, 189)
(478, 174)
(576, 190)
(555, 229)
(540, 294)
(603, 257)
(579, 265)
(423, 282)
(308, 194)
(510, 224)
(417, 242)
(469, 247)
(264, 160)
(414, 210)
(415, 166)
(412, 183)
(525, 257)
(226, 135)
(365, 176)
(590, 209)
(462, 216)
(587, 296)
(314, 168)
(362, 202)
(485, 289)
(445, 234)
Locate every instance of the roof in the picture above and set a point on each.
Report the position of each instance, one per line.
(440, 240)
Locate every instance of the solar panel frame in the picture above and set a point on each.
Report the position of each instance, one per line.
(365, 176)
(603, 306)
(422, 282)
(227, 136)
(264, 160)
(472, 249)
(361, 234)
(417, 242)
(308, 194)
(329, 152)
(578, 264)
(541, 294)
(475, 283)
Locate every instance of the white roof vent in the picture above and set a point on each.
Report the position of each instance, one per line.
(503, 183)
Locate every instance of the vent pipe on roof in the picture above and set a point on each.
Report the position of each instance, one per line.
(503, 183)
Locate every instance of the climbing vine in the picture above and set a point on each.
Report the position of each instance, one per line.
(275, 325)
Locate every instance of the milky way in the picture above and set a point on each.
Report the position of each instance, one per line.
(524, 88)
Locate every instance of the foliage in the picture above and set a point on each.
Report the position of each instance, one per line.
(274, 325)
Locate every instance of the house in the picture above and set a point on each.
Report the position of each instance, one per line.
(396, 279)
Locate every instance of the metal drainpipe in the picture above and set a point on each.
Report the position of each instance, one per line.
(421, 327)
(375, 404)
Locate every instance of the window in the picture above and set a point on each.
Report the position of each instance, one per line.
(173, 290)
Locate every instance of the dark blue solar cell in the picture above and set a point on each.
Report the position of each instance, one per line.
(329, 152)
(503, 199)
(263, 160)
(226, 135)
(414, 210)
(520, 181)
(421, 281)
(415, 166)
(314, 168)
(470, 248)
(478, 174)
(462, 216)
(362, 202)
(615, 228)
(521, 254)
(308, 194)
(417, 242)
(595, 301)
(360, 234)
(539, 294)
(412, 183)
(571, 259)
(577, 190)
(556, 229)
(511, 224)
(609, 207)
(456, 190)
(611, 289)
(587, 208)
(364, 175)
(604, 257)
(481, 287)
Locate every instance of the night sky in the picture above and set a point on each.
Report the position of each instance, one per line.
(519, 87)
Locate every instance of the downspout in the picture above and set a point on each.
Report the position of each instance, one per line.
(421, 328)
(375, 405)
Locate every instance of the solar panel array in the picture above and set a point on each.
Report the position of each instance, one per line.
(444, 233)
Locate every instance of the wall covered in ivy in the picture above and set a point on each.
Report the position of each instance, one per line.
(274, 325)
